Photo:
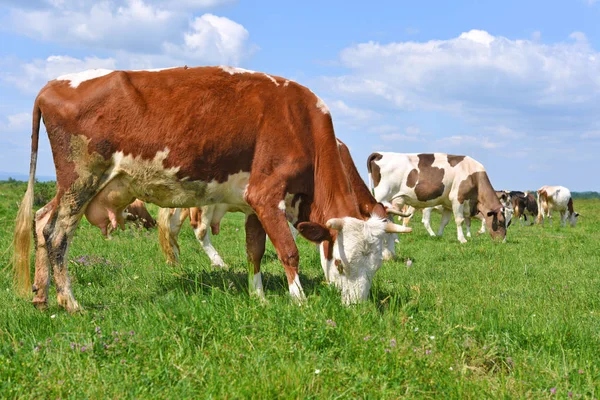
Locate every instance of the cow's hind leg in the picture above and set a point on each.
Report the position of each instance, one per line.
(42, 263)
(58, 234)
(255, 249)
(446, 215)
(427, 220)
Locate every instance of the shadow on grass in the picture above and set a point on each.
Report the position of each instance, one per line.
(234, 282)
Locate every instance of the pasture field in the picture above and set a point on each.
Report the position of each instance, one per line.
(480, 320)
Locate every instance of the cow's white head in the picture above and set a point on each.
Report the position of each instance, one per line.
(350, 251)
(573, 217)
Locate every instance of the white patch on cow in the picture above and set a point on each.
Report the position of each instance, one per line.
(78, 77)
(286, 83)
(234, 70)
(207, 246)
(291, 211)
(154, 69)
(281, 205)
(322, 106)
(272, 79)
(150, 181)
(296, 290)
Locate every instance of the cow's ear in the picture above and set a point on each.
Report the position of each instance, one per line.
(379, 211)
(314, 232)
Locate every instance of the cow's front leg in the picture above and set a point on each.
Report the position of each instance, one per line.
(255, 249)
(266, 205)
(389, 246)
(468, 225)
(459, 217)
(427, 220)
(446, 215)
(563, 218)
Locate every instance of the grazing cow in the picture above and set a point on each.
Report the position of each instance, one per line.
(138, 213)
(427, 180)
(171, 220)
(210, 135)
(557, 198)
(523, 204)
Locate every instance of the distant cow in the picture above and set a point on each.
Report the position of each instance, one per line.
(188, 137)
(523, 204)
(428, 180)
(138, 213)
(551, 198)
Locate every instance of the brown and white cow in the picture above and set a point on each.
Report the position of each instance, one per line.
(556, 198)
(523, 204)
(428, 180)
(187, 137)
(171, 220)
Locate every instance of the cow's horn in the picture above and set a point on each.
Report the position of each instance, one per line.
(335, 223)
(398, 213)
(390, 227)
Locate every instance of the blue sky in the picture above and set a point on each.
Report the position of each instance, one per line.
(514, 84)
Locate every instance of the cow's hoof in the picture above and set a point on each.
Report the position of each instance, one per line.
(69, 304)
(462, 240)
(41, 305)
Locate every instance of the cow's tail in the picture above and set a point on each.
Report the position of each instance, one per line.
(24, 224)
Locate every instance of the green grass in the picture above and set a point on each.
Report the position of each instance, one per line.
(480, 320)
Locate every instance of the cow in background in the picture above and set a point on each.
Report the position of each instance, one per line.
(556, 198)
(428, 180)
(524, 204)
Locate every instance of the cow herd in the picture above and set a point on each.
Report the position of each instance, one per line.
(201, 142)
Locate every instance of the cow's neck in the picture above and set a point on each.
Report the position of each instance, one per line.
(486, 195)
(334, 197)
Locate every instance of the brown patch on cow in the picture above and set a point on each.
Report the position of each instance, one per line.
(364, 198)
(468, 188)
(412, 178)
(570, 206)
(454, 160)
(373, 168)
(430, 184)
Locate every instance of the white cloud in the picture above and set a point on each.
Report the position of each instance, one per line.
(469, 141)
(31, 77)
(591, 135)
(341, 109)
(136, 27)
(485, 80)
(19, 121)
(474, 69)
(213, 39)
(392, 137)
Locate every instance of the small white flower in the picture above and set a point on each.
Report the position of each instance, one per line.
(89, 283)
(408, 262)
(53, 316)
(432, 337)
(416, 329)
(317, 371)
(451, 369)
